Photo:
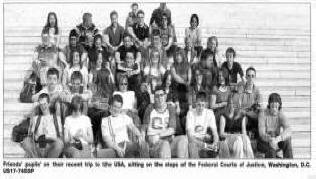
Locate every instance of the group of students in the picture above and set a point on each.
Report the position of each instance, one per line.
(133, 91)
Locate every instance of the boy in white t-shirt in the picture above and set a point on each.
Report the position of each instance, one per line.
(78, 131)
(200, 122)
(115, 134)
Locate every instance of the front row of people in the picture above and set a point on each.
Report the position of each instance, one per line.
(50, 136)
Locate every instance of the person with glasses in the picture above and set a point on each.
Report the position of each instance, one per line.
(115, 134)
(159, 125)
(231, 68)
(201, 129)
(247, 102)
(274, 130)
(129, 106)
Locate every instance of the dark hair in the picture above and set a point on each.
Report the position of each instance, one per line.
(196, 17)
(140, 12)
(96, 37)
(201, 95)
(44, 95)
(274, 97)
(165, 77)
(52, 71)
(168, 19)
(231, 50)
(159, 88)
(117, 98)
(180, 51)
(47, 25)
(155, 32)
(251, 69)
(76, 104)
(73, 33)
(76, 75)
(72, 58)
(206, 53)
(86, 15)
(134, 4)
(213, 37)
(113, 13)
(126, 34)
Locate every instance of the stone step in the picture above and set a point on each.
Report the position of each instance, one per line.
(35, 31)
(257, 65)
(20, 59)
(9, 49)
(229, 39)
(267, 73)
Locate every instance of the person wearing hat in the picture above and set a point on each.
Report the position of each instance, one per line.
(271, 121)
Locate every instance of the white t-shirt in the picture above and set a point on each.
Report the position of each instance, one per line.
(116, 127)
(197, 124)
(73, 125)
(158, 121)
(129, 99)
(46, 126)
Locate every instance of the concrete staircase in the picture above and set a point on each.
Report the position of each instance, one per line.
(281, 57)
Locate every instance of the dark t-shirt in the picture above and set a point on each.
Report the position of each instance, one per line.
(165, 34)
(230, 75)
(157, 16)
(93, 57)
(116, 38)
(123, 49)
(141, 32)
(68, 49)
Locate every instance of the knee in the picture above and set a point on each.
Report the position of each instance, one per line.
(238, 142)
(27, 142)
(58, 144)
(165, 150)
(183, 141)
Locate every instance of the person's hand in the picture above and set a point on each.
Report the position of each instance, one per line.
(129, 73)
(211, 146)
(273, 143)
(154, 139)
(79, 133)
(120, 152)
(224, 104)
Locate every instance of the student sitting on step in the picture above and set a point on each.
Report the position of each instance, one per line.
(46, 56)
(77, 88)
(272, 138)
(45, 132)
(231, 68)
(78, 131)
(115, 134)
(51, 28)
(201, 129)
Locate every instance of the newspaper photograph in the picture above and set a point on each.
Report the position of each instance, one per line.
(157, 89)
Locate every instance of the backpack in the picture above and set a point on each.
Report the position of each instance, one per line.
(31, 86)
(20, 131)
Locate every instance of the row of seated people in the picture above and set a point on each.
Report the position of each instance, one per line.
(157, 135)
